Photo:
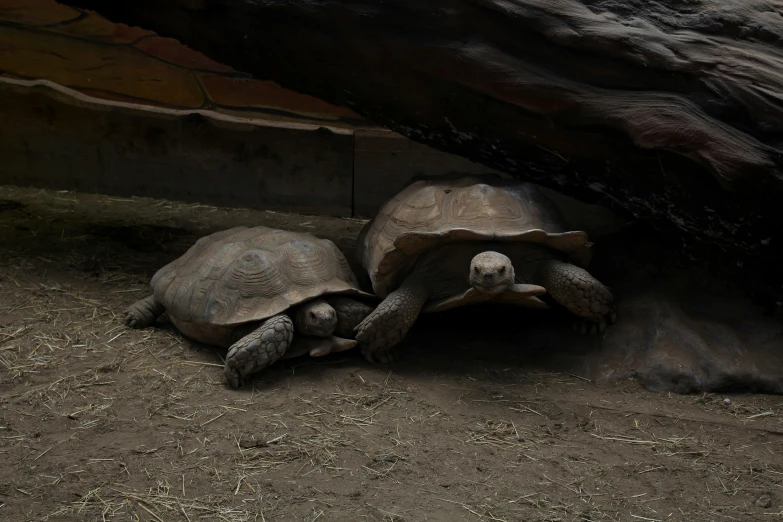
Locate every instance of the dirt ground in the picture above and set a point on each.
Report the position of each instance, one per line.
(99, 422)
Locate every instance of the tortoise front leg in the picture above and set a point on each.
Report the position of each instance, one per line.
(258, 349)
(388, 324)
(581, 293)
(350, 313)
(144, 313)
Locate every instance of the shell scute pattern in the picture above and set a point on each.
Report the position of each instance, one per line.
(248, 274)
(432, 212)
(482, 204)
(256, 274)
(423, 209)
(304, 263)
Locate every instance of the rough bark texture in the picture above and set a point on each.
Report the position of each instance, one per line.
(671, 110)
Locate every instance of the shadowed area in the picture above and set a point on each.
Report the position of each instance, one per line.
(675, 331)
(678, 329)
(667, 111)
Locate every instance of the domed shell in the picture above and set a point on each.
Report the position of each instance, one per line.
(249, 274)
(432, 212)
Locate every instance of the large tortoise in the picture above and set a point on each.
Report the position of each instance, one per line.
(250, 289)
(452, 241)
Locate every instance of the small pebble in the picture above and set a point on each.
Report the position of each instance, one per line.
(727, 401)
(764, 501)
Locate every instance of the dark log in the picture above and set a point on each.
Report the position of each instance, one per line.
(670, 111)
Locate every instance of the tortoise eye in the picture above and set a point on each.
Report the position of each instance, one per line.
(312, 314)
(502, 270)
(476, 269)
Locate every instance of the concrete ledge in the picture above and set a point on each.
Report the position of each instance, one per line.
(54, 137)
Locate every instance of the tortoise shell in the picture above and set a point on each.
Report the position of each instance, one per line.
(249, 274)
(432, 212)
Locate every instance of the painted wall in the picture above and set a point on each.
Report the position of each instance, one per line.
(85, 52)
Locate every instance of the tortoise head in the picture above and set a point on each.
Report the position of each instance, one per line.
(316, 318)
(491, 273)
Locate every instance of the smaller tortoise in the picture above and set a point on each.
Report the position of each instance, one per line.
(451, 241)
(250, 289)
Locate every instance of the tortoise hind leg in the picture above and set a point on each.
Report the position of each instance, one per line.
(144, 313)
(388, 324)
(581, 293)
(258, 349)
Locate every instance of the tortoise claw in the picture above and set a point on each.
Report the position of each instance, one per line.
(386, 356)
(584, 327)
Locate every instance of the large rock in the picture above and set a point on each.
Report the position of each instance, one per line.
(669, 111)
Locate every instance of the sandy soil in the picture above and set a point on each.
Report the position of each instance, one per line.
(99, 422)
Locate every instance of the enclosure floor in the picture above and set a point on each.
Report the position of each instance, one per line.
(99, 422)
